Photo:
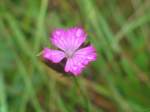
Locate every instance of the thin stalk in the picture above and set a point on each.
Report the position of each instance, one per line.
(84, 95)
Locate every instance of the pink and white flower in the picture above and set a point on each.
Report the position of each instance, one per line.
(69, 43)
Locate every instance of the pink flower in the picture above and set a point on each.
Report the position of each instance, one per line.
(69, 44)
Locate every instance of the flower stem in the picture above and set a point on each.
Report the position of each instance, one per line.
(83, 94)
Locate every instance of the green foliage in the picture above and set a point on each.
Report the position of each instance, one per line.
(119, 81)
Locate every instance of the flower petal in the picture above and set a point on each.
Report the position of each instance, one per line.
(87, 54)
(71, 39)
(53, 55)
(58, 38)
(80, 59)
(76, 37)
(72, 68)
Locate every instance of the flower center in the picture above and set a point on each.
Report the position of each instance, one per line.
(69, 53)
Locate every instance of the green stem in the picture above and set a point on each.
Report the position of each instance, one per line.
(3, 102)
(83, 94)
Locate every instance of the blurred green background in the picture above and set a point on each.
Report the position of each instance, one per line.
(119, 81)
